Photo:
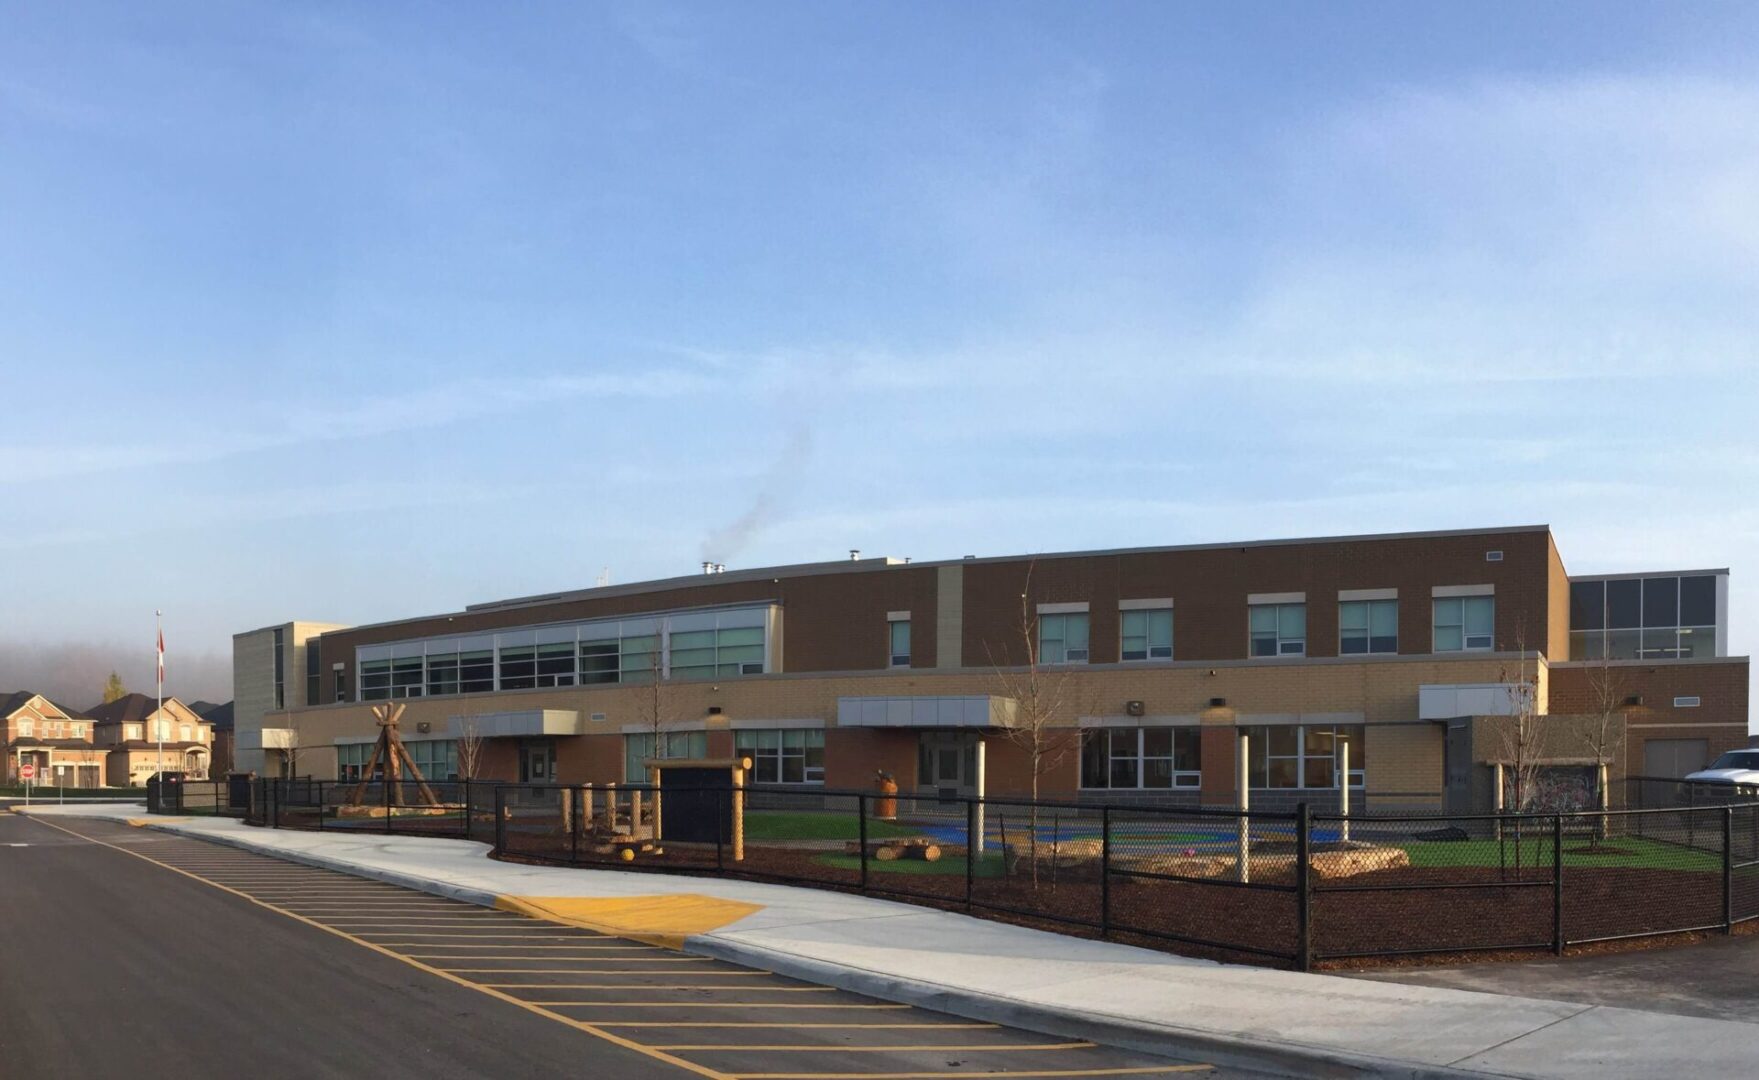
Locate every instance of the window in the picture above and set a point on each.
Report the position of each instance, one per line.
(598, 662)
(1062, 638)
(162, 730)
(406, 677)
(280, 668)
(184, 734)
(1141, 758)
(129, 731)
(351, 760)
(640, 658)
(1368, 626)
(708, 654)
(476, 671)
(1303, 755)
(314, 680)
(442, 673)
(518, 667)
(375, 680)
(1279, 629)
(1464, 623)
(638, 747)
(24, 729)
(1145, 635)
(555, 664)
(783, 756)
(436, 758)
(1654, 618)
(899, 632)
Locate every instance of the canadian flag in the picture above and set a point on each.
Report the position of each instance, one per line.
(161, 658)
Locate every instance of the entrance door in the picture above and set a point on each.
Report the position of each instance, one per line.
(537, 763)
(947, 761)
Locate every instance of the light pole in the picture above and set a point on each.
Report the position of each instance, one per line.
(158, 718)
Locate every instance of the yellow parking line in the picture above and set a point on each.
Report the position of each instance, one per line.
(785, 1025)
(619, 959)
(840, 1049)
(662, 987)
(575, 971)
(537, 944)
(712, 1005)
(504, 937)
(578, 1025)
(1140, 1070)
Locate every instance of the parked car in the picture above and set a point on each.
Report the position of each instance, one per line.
(1733, 767)
(167, 777)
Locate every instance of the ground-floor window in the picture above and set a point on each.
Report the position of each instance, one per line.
(784, 755)
(1303, 755)
(436, 758)
(674, 744)
(1150, 757)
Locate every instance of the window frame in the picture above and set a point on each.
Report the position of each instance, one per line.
(1147, 634)
(897, 659)
(1466, 638)
(1060, 620)
(1120, 745)
(1368, 608)
(775, 759)
(1279, 642)
(1258, 770)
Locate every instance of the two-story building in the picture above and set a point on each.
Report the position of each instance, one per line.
(54, 739)
(1161, 664)
(140, 735)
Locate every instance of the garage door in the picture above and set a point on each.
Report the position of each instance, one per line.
(1674, 757)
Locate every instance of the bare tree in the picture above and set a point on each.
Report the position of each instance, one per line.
(1604, 734)
(470, 749)
(1522, 735)
(1040, 694)
(654, 707)
(290, 752)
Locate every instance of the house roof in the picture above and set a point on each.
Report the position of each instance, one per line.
(129, 708)
(218, 715)
(18, 699)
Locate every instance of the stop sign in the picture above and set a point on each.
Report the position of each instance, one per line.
(27, 771)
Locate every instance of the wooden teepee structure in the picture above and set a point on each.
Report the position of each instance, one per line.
(390, 750)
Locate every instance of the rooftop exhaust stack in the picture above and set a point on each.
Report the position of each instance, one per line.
(720, 568)
(854, 554)
(708, 567)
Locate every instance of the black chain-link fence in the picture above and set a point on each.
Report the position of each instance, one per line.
(1282, 887)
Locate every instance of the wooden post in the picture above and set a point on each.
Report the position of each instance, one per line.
(653, 777)
(634, 813)
(1344, 789)
(586, 806)
(739, 809)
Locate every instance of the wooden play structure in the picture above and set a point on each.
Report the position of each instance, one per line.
(390, 754)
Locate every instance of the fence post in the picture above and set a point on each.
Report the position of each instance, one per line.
(467, 808)
(1557, 884)
(573, 824)
(388, 798)
(861, 824)
(1728, 869)
(317, 786)
(500, 821)
(722, 801)
(973, 848)
(1303, 888)
(1105, 871)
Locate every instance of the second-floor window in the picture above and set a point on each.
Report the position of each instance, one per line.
(1062, 638)
(1145, 634)
(1279, 629)
(1368, 626)
(1464, 623)
(899, 633)
(131, 731)
(24, 729)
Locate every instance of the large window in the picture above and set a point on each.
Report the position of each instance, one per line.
(1302, 755)
(1279, 629)
(1368, 626)
(436, 758)
(1140, 758)
(314, 683)
(899, 633)
(1653, 618)
(1146, 634)
(280, 667)
(637, 748)
(783, 755)
(1464, 623)
(712, 644)
(1062, 638)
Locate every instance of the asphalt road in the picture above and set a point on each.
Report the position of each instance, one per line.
(125, 952)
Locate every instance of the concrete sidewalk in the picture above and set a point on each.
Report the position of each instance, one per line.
(1299, 1025)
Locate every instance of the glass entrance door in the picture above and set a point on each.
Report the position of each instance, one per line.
(947, 761)
(537, 763)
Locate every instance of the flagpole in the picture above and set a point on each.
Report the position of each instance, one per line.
(158, 717)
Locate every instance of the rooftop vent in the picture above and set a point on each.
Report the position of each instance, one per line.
(854, 554)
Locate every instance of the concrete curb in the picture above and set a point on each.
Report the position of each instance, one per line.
(1192, 1043)
(1287, 1059)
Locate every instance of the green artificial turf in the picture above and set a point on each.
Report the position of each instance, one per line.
(1632, 852)
(812, 825)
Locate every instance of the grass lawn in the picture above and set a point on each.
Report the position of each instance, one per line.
(1632, 852)
(988, 865)
(811, 825)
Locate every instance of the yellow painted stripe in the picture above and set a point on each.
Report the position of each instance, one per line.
(664, 920)
(579, 1025)
(563, 959)
(1142, 1070)
(837, 1048)
(662, 986)
(536, 944)
(790, 1026)
(713, 1005)
(597, 971)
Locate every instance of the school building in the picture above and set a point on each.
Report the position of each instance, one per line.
(1147, 670)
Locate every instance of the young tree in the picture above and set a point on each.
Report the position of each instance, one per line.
(1040, 694)
(470, 749)
(654, 707)
(1604, 734)
(1521, 736)
(113, 688)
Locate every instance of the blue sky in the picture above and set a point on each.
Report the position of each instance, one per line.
(348, 312)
